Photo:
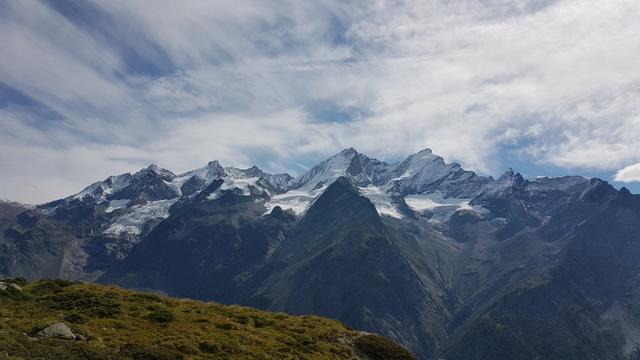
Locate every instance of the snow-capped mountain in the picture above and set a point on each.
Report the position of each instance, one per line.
(204, 176)
(386, 185)
(133, 203)
(425, 172)
(360, 169)
(125, 207)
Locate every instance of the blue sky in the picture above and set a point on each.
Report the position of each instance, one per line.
(94, 88)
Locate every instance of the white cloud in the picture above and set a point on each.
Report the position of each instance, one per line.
(557, 82)
(630, 173)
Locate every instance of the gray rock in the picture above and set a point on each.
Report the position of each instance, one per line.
(4, 286)
(58, 330)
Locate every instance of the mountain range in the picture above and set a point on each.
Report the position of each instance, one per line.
(450, 264)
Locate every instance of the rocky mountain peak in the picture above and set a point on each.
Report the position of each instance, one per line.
(348, 152)
(155, 169)
(426, 172)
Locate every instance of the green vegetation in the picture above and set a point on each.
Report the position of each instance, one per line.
(118, 324)
(376, 347)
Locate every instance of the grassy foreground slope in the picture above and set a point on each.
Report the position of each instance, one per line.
(112, 323)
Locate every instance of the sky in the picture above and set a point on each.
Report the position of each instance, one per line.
(94, 88)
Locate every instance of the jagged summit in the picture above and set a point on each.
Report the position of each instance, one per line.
(383, 183)
(155, 168)
(349, 151)
(360, 168)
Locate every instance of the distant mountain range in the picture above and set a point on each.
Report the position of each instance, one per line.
(451, 264)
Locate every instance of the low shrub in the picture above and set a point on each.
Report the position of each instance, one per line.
(376, 347)
(147, 297)
(50, 286)
(210, 347)
(75, 319)
(225, 326)
(140, 352)
(161, 315)
(100, 306)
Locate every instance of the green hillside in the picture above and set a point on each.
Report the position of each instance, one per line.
(111, 323)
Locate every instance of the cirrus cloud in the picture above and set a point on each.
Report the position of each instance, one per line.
(98, 88)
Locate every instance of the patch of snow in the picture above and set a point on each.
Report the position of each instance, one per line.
(15, 203)
(432, 201)
(89, 190)
(119, 182)
(117, 204)
(133, 222)
(280, 182)
(499, 221)
(214, 195)
(441, 207)
(99, 190)
(381, 200)
(297, 201)
(48, 211)
(244, 185)
(421, 202)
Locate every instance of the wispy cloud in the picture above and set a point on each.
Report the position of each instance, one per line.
(118, 84)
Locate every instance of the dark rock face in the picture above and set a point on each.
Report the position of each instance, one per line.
(215, 243)
(545, 268)
(342, 262)
(192, 186)
(33, 246)
(575, 308)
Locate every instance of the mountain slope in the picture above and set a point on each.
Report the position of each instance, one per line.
(214, 240)
(96, 322)
(342, 262)
(545, 286)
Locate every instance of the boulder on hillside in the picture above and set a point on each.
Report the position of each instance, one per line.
(8, 286)
(59, 331)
